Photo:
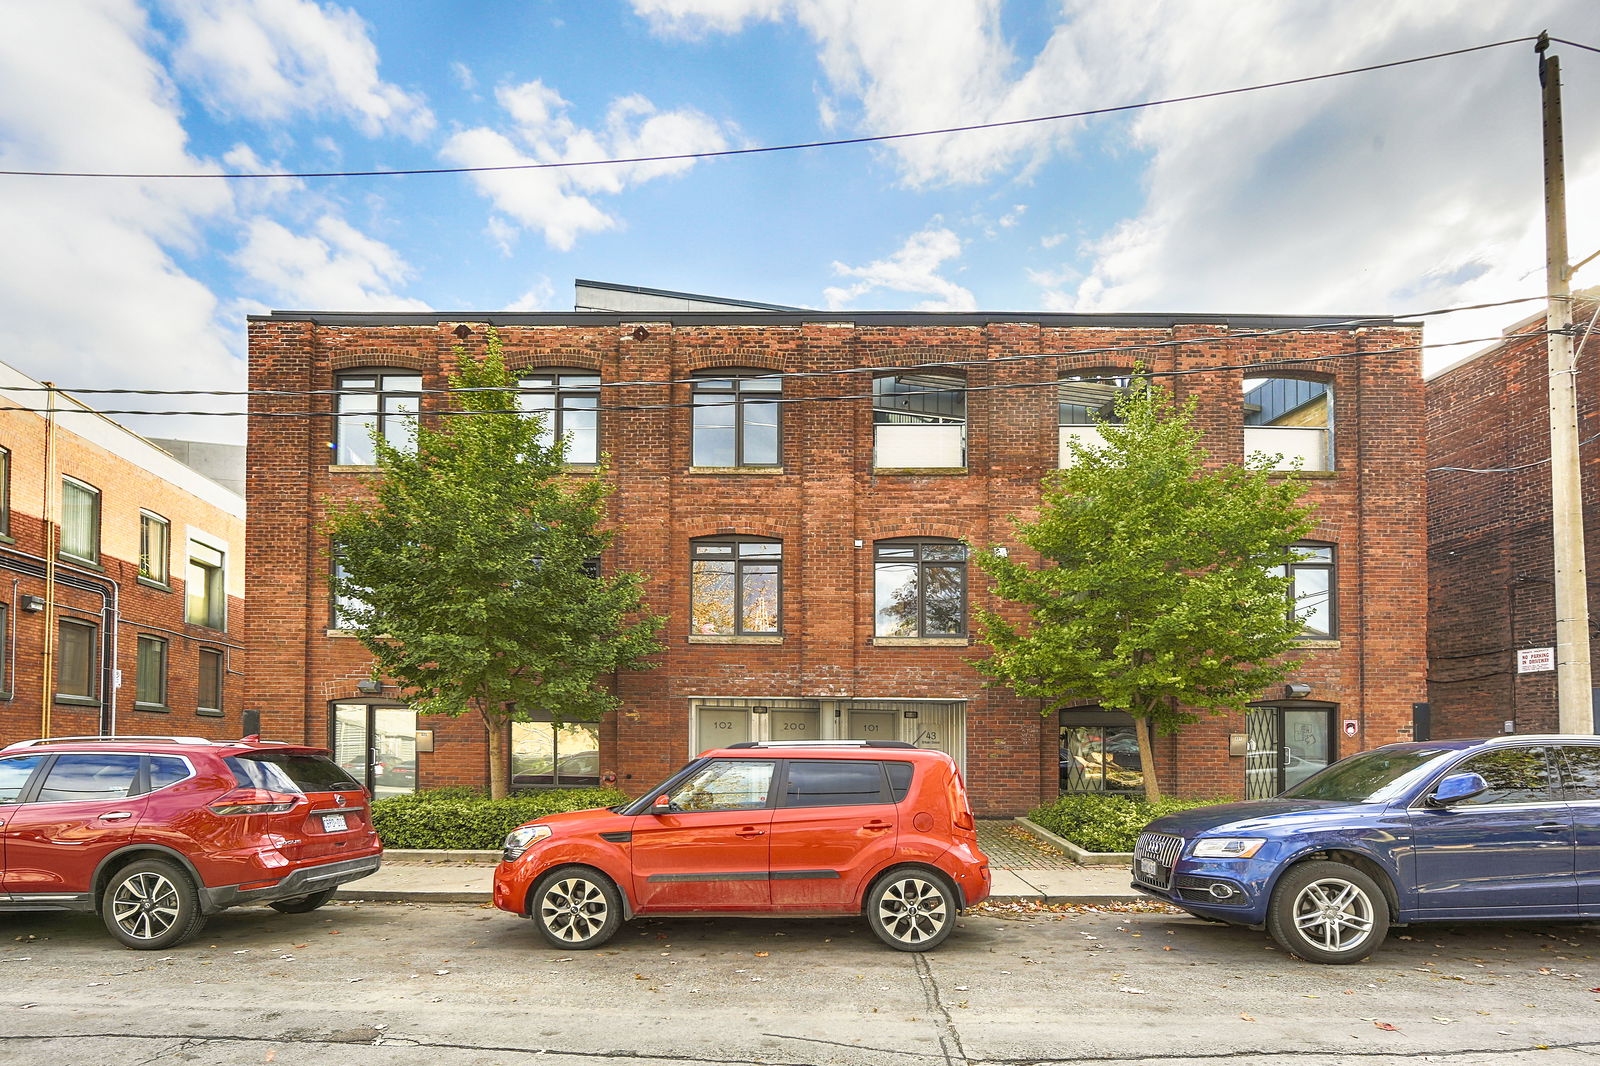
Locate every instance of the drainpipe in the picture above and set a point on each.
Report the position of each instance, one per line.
(52, 531)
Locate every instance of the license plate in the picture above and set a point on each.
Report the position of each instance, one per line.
(334, 823)
(1147, 867)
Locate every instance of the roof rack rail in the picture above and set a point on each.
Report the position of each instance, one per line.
(821, 744)
(109, 738)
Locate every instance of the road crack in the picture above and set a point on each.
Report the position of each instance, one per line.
(944, 1025)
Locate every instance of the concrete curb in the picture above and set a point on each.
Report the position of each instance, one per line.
(450, 858)
(1073, 852)
(354, 894)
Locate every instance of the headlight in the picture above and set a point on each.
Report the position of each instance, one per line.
(518, 840)
(1227, 847)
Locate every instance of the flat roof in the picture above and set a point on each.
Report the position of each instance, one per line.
(1143, 319)
(611, 286)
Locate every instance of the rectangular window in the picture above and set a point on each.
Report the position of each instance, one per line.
(1580, 769)
(735, 586)
(919, 420)
(89, 777)
(821, 783)
(544, 754)
(380, 402)
(152, 676)
(155, 536)
(569, 401)
(1311, 590)
(80, 520)
(920, 588)
(342, 603)
(75, 660)
(210, 694)
(736, 419)
(206, 595)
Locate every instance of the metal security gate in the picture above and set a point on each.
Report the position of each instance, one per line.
(938, 724)
(1286, 744)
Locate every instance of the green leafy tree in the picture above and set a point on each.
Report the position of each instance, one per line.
(471, 573)
(1160, 589)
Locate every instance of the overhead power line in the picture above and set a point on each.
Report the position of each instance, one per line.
(778, 399)
(799, 146)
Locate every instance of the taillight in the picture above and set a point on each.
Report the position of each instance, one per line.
(964, 820)
(255, 801)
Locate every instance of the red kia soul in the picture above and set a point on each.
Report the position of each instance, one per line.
(156, 833)
(797, 829)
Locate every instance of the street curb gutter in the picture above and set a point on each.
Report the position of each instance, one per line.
(1075, 853)
(452, 858)
(354, 894)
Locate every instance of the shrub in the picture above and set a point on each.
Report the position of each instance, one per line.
(464, 819)
(1106, 823)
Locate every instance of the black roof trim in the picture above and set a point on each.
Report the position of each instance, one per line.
(1147, 320)
(671, 294)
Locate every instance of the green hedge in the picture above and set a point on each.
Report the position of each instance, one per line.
(1106, 823)
(465, 819)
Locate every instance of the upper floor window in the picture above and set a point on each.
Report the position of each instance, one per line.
(381, 401)
(569, 402)
(80, 520)
(920, 587)
(735, 585)
(736, 419)
(1311, 588)
(1290, 419)
(209, 697)
(1083, 402)
(75, 660)
(155, 536)
(151, 681)
(207, 595)
(920, 420)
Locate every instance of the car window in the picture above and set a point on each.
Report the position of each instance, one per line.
(166, 770)
(89, 776)
(14, 774)
(278, 771)
(822, 783)
(899, 778)
(1515, 775)
(1581, 768)
(725, 785)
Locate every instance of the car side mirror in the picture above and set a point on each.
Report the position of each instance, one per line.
(1457, 787)
(662, 804)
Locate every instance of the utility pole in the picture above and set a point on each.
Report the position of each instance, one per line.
(1574, 699)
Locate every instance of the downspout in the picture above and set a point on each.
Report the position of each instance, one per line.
(52, 531)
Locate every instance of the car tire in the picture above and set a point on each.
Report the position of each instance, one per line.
(151, 905)
(911, 909)
(1328, 912)
(576, 907)
(302, 904)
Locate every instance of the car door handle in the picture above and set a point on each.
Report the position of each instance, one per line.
(750, 831)
(1552, 827)
(116, 816)
(878, 823)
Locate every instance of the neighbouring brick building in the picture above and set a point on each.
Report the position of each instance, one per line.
(1490, 558)
(120, 579)
(803, 534)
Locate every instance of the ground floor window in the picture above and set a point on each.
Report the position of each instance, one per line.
(1287, 743)
(936, 724)
(547, 755)
(1099, 752)
(377, 745)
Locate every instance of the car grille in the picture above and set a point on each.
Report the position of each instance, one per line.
(1154, 857)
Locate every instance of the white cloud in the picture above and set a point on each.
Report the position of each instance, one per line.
(914, 269)
(333, 266)
(541, 296)
(271, 60)
(561, 203)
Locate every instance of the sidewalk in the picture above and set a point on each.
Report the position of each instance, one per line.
(1023, 871)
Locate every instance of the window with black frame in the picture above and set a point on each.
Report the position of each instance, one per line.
(735, 586)
(736, 420)
(545, 754)
(151, 679)
(1311, 588)
(569, 400)
(920, 420)
(1099, 752)
(920, 587)
(381, 401)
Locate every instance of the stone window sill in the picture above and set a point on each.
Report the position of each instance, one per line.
(921, 642)
(729, 638)
(152, 583)
(918, 471)
(208, 712)
(1310, 475)
(76, 701)
(153, 708)
(1312, 643)
(736, 470)
(341, 468)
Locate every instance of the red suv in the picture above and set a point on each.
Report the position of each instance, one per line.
(799, 829)
(156, 833)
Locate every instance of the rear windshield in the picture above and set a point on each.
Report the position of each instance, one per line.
(282, 772)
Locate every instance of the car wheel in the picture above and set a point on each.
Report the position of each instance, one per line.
(1328, 912)
(302, 904)
(576, 907)
(911, 910)
(151, 904)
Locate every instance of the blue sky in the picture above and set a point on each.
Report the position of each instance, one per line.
(1394, 192)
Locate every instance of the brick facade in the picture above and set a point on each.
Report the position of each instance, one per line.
(1490, 559)
(829, 505)
(106, 592)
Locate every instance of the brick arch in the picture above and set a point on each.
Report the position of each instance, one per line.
(916, 528)
(753, 358)
(745, 527)
(889, 358)
(560, 358)
(378, 359)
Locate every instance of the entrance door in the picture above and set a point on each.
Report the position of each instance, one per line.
(378, 745)
(1287, 744)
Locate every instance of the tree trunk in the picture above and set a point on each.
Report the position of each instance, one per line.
(499, 733)
(1147, 762)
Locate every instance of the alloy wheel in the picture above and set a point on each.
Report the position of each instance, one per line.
(573, 909)
(145, 906)
(913, 910)
(1333, 914)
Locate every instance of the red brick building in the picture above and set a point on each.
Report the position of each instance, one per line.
(1490, 557)
(120, 579)
(804, 534)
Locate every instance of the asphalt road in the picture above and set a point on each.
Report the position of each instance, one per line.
(443, 985)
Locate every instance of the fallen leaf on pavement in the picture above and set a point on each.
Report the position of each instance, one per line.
(762, 954)
(1246, 1018)
(1386, 1027)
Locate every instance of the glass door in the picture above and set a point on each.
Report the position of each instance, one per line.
(1286, 745)
(378, 745)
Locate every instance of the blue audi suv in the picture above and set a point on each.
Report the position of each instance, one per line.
(1451, 830)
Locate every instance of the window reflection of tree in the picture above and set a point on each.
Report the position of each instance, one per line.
(735, 586)
(920, 588)
(1514, 775)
